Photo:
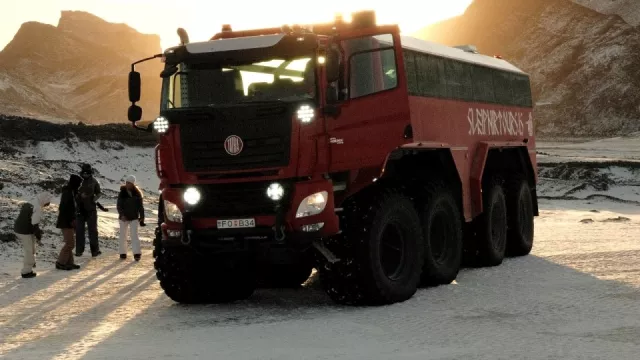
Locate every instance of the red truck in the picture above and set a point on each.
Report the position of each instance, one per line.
(384, 161)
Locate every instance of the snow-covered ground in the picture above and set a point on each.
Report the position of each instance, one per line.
(577, 296)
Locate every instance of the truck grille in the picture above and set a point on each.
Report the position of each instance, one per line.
(265, 131)
(237, 199)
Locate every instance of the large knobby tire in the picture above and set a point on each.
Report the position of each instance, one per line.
(186, 277)
(380, 251)
(520, 215)
(492, 226)
(286, 275)
(442, 229)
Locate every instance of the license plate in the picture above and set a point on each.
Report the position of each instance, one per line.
(236, 223)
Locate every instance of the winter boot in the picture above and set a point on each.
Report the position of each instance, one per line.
(63, 266)
(29, 275)
(123, 256)
(136, 257)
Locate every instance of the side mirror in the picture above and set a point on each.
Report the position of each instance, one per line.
(134, 113)
(134, 86)
(333, 65)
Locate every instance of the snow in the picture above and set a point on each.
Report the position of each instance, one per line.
(131, 160)
(430, 47)
(604, 55)
(5, 84)
(575, 297)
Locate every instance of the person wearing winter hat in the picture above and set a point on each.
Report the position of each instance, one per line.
(130, 213)
(27, 230)
(87, 196)
(66, 222)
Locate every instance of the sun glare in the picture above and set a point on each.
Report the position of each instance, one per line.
(408, 16)
(202, 19)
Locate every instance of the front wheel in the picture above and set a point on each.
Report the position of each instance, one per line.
(157, 241)
(380, 251)
(186, 277)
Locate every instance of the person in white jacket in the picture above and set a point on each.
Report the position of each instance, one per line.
(130, 213)
(27, 230)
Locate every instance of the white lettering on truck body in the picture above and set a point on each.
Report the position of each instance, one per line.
(497, 123)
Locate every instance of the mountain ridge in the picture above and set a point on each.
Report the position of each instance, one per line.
(628, 10)
(46, 70)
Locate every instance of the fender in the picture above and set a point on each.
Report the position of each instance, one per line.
(477, 170)
(457, 154)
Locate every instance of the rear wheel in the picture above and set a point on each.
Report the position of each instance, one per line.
(442, 229)
(520, 216)
(185, 278)
(492, 226)
(380, 252)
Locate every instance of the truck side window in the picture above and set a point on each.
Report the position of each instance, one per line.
(372, 65)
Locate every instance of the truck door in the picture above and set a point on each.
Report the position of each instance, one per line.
(374, 108)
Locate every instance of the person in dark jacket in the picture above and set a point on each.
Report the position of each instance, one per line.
(86, 198)
(27, 230)
(130, 213)
(67, 221)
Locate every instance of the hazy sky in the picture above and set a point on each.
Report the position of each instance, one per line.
(203, 18)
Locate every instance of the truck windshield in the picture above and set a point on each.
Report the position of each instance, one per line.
(269, 80)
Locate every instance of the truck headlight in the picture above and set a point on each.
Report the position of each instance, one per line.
(172, 212)
(312, 205)
(275, 191)
(161, 125)
(191, 196)
(305, 114)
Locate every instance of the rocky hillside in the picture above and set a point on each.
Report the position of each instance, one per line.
(20, 130)
(76, 70)
(629, 10)
(584, 65)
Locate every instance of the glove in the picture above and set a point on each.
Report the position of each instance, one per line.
(39, 242)
(38, 234)
(102, 207)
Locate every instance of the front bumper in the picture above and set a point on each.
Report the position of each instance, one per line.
(280, 230)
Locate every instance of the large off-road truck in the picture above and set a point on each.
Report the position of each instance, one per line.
(384, 161)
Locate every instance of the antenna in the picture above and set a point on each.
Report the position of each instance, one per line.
(184, 37)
